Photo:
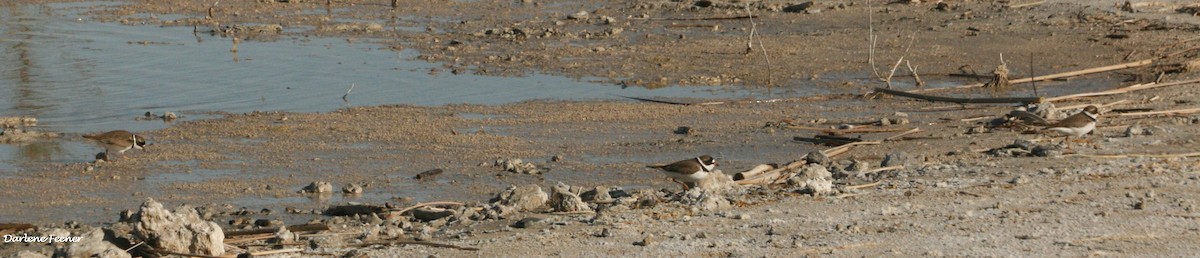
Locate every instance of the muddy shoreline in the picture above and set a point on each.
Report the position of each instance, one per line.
(953, 199)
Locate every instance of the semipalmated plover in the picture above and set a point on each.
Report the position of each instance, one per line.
(688, 171)
(1076, 125)
(118, 141)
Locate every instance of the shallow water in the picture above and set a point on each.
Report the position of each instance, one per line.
(78, 76)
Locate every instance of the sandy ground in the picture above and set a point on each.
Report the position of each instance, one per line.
(956, 202)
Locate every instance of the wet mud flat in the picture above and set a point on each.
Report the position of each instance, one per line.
(962, 191)
(954, 192)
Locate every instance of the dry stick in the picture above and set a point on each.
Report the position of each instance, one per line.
(856, 187)
(750, 37)
(348, 93)
(1114, 103)
(910, 94)
(1127, 56)
(135, 246)
(1015, 6)
(210, 10)
(913, 71)
(419, 205)
(1164, 112)
(1180, 52)
(1131, 88)
(409, 242)
(877, 170)
(750, 46)
(583, 212)
(897, 65)
(847, 131)
(893, 137)
(249, 239)
(752, 172)
(972, 119)
(888, 80)
(293, 228)
(274, 244)
(330, 234)
(1054, 76)
(871, 40)
(1120, 156)
(270, 252)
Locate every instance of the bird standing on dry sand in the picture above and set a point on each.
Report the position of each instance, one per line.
(1076, 125)
(118, 141)
(688, 171)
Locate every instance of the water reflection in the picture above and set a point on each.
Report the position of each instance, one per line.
(44, 150)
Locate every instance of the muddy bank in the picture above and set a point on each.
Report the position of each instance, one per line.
(953, 194)
(659, 43)
(963, 191)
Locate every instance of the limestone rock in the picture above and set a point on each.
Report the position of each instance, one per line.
(563, 200)
(524, 198)
(92, 244)
(181, 231)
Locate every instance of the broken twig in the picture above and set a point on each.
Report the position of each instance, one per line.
(1053, 76)
(411, 242)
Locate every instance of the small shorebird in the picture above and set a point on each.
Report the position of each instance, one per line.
(688, 171)
(1076, 125)
(118, 141)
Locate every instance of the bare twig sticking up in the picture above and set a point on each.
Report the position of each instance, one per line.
(750, 45)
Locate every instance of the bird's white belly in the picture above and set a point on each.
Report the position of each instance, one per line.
(692, 178)
(1077, 132)
(118, 149)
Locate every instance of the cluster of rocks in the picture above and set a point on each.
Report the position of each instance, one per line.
(818, 175)
(13, 130)
(151, 231)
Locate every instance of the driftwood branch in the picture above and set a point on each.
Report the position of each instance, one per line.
(1164, 112)
(1114, 103)
(1127, 89)
(270, 252)
(897, 136)
(1122, 90)
(1121, 156)
(910, 94)
(419, 205)
(753, 172)
(856, 187)
(1053, 76)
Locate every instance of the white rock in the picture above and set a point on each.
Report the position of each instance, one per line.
(181, 231)
(563, 200)
(92, 244)
(524, 198)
